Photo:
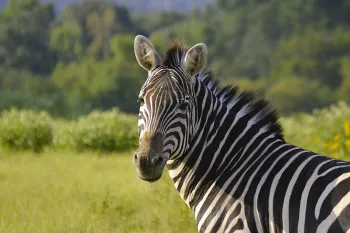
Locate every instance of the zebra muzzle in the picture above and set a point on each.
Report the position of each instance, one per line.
(148, 159)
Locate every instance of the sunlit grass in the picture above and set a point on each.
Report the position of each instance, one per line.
(67, 192)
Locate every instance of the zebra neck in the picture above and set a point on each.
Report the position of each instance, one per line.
(223, 141)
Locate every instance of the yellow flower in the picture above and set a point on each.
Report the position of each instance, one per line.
(334, 146)
(347, 128)
(347, 142)
(336, 137)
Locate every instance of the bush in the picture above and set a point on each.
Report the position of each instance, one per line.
(25, 130)
(326, 131)
(103, 131)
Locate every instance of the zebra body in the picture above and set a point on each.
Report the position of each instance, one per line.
(226, 154)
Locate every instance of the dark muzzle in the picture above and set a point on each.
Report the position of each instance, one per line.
(148, 159)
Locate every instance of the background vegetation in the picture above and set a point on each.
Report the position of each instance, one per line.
(69, 83)
(71, 59)
(100, 131)
(326, 131)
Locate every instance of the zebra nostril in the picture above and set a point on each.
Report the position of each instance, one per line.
(135, 156)
(157, 161)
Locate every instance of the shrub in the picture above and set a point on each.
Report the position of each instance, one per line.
(104, 131)
(326, 131)
(25, 130)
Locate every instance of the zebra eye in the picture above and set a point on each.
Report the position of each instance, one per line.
(182, 106)
(141, 101)
(184, 102)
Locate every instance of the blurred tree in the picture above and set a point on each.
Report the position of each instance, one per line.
(103, 25)
(24, 33)
(295, 52)
(87, 28)
(67, 40)
(314, 54)
(106, 83)
(22, 89)
(158, 20)
(128, 78)
(296, 94)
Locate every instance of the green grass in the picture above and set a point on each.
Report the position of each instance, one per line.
(67, 192)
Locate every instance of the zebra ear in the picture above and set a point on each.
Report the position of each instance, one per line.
(146, 54)
(196, 59)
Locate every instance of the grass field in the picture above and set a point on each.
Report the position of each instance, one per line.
(67, 192)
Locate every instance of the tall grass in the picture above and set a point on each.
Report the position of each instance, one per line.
(55, 193)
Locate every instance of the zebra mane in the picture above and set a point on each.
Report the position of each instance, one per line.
(230, 95)
(235, 100)
(175, 54)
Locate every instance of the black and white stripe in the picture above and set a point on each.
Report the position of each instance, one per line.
(227, 158)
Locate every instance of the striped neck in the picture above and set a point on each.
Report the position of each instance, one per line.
(223, 134)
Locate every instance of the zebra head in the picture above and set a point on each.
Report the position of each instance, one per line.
(167, 100)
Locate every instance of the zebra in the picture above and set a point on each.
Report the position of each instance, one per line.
(226, 153)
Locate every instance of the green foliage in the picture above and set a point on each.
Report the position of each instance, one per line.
(25, 130)
(23, 90)
(85, 30)
(104, 83)
(158, 20)
(84, 54)
(24, 32)
(289, 94)
(67, 41)
(326, 131)
(82, 81)
(313, 54)
(55, 103)
(276, 42)
(108, 131)
(100, 131)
